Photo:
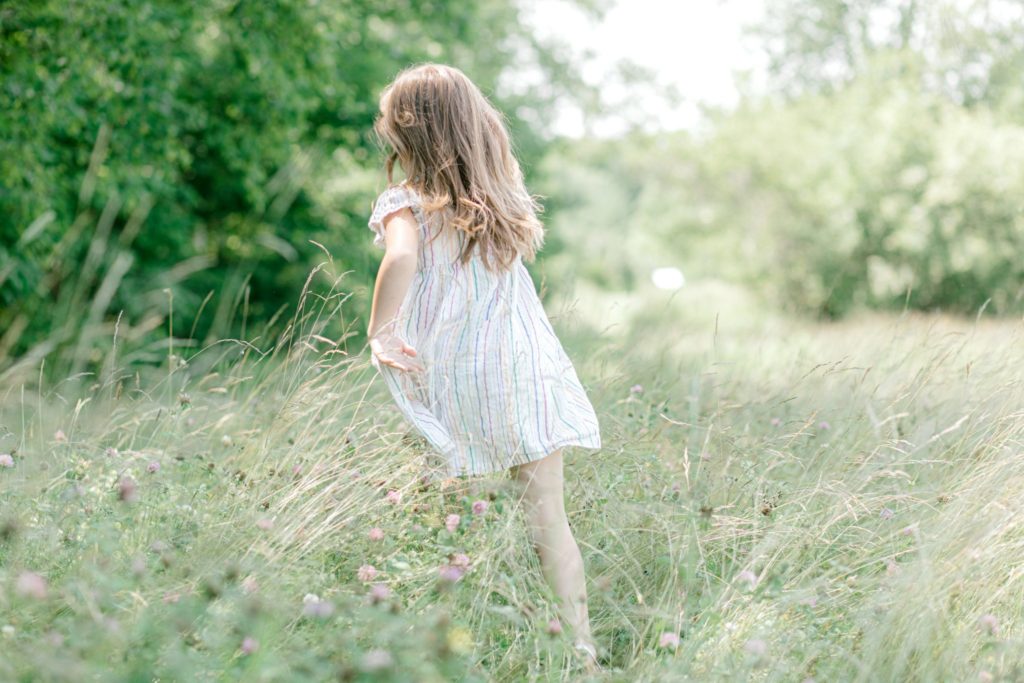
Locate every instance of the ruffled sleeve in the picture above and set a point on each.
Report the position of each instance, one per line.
(390, 200)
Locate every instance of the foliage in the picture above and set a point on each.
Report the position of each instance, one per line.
(876, 196)
(874, 190)
(197, 147)
(972, 52)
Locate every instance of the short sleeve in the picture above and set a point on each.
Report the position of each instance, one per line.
(390, 200)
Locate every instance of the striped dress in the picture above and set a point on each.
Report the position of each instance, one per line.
(498, 388)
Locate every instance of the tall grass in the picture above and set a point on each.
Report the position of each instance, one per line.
(790, 500)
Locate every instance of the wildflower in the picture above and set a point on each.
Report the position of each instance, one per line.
(32, 585)
(451, 523)
(756, 647)
(460, 640)
(748, 576)
(460, 560)
(366, 573)
(554, 627)
(479, 507)
(171, 597)
(250, 585)
(59, 436)
(376, 660)
(379, 593)
(376, 533)
(887, 513)
(297, 470)
(450, 573)
(989, 624)
(394, 497)
(111, 452)
(824, 426)
(249, 645)
(127, 490)
(310, 597)
(669, 640)
(317, 608)
(265, 523)
(983, 676)
(153, 467)
(226, 440)
(776, 422)
(138, 565)
(6, 460)
(636, 389)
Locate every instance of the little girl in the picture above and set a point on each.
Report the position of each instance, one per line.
(457, 330)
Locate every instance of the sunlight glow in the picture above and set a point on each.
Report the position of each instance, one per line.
(668, 278)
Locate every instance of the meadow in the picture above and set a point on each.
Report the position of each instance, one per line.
(775, 500)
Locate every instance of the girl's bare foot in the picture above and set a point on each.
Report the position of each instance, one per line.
(588, 652)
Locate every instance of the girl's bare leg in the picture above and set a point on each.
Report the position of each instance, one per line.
(560, 558)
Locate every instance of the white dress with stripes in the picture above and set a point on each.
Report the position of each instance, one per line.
(498, 389)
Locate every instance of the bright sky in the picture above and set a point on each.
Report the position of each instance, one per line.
(693, 46)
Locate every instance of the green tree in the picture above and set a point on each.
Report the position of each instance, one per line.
(204, 147)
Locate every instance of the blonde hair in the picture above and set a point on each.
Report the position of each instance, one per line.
(455, 150)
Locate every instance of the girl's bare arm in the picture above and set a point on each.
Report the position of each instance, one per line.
(401, 240)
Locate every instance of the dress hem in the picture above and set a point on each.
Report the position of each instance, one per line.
(588, 441)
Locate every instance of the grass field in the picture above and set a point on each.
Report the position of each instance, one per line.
(790, 500)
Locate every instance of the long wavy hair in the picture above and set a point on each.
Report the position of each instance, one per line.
(455, 150)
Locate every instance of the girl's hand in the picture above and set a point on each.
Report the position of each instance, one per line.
(389, 349)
